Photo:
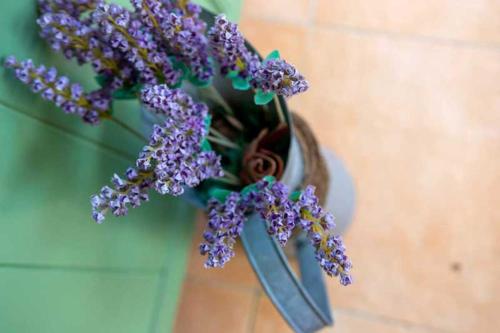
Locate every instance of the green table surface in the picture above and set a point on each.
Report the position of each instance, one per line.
(59, 271)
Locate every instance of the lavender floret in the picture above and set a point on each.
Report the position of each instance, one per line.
(329, 248)
(125, 32)
(174, 103)
(68, 96)
(228, 47)
(189, 44)
(274, 206)
(173, 158)
(278, 76)
(225, 224)
(74, 8)
(78, 40)
(177, 25)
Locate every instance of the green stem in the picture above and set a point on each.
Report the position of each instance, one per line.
(222, 142)
(216, 97)
(128, 128)
(277, 105)
(229, 181)
(218, 134)
(232, 177)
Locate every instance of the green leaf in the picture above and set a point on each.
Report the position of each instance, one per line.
(207, 121)
(262, 98)
(248, 189)
(273, 55)
(199, 83)
(219, 194)
(179, 65)
(295, 195)
(233, 74)
(124, 94)
(270, 179)
(240, 83)
(102, 79)
(205, 145)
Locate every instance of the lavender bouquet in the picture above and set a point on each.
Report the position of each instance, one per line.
(164, 54)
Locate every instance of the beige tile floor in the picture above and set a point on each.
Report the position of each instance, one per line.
(408, 94)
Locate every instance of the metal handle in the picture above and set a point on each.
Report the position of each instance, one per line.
(303, 304)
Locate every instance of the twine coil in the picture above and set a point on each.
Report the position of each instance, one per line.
(315, 170)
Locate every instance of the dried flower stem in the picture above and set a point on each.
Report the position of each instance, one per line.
(215, 96)
(279, 110)
(231, 177)
(222, 142)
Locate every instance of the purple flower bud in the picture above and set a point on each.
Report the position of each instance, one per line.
(75, 8)
(330, 250)
(228, 47)
(225, 225)
(173, 159)
(132, 38)
(278, 76)
(277, 209)
(69, 97)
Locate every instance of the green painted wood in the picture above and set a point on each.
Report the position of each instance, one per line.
(43, 300)
(232, 8)
(59, 271)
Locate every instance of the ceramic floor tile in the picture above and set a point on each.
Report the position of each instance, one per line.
(426, 236)
(402, 84)
(419, 132)
(291, 40)
(349, 322)
(475, 21)
(211, 307)
(268, 319)
(297, 11)
(267, 36)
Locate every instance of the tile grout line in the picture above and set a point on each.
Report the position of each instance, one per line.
(343, 28)
(252, 320)
(313, 6)
(367, 315)
(419, 38)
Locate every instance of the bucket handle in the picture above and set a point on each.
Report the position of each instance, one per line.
(303, 303)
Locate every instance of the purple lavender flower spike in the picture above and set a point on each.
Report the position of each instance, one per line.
(72, 7)
(131, 191)
(178, 26)
(276, 209)
(329, 248)
(125, 32)
(278, 76)
(175, 163)
(228, 47)
(78, 40)
(174, 155)
(91, 107)
(225, 224)
(173, 158)
(173, 103)
(189, 44)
